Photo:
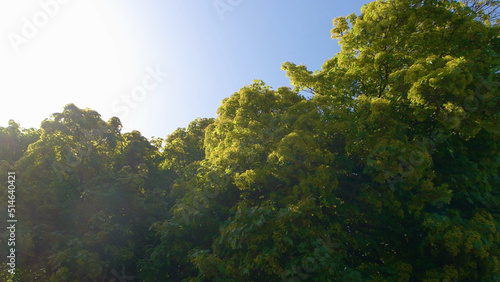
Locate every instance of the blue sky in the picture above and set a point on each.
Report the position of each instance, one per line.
(157, 65)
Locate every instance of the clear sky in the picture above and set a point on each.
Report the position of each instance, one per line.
(157, 65)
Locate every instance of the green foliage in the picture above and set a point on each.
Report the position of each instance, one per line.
(15, 140)
(383, 154)
(89, 195)
(389, 172)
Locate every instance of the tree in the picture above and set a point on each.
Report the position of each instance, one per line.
(389, 171)
(420, 82)
(89, 197)
(486, 10)
(14, 141)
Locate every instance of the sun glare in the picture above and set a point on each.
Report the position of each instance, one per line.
(52, 55)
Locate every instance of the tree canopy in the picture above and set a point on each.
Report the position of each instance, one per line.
(388, 172)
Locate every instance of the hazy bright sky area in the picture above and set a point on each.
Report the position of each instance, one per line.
(157, 65)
